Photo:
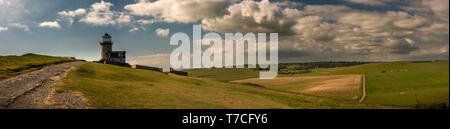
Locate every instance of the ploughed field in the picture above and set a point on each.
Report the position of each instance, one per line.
(342, 87)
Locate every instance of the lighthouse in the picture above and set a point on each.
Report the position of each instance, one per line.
(106, 46)
(107, 55)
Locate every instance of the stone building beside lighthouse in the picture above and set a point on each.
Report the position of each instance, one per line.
(107, 55)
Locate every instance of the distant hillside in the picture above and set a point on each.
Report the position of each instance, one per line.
(15, 65)
(224, 74)
(230, 74)
(420, 84)
(315, 65)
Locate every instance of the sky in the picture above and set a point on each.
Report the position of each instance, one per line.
(309, 30)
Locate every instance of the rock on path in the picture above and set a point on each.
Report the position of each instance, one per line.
(27, 90)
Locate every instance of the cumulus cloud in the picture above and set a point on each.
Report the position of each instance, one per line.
(375, 32)
(3, 29)
(289, 4)
(5, 2)
(123, 18)
(431, 9)
(134, 29)
(12, 11)
(145, 22)
(183, 11)
(70, 15)
(100, 14)
(253, 16)
(313, 28)
(20, 26)
(316, 29)
(329, 28)
(162, 32)
(73, 13)
(370, 2)
(322, 31)
(434, 36)
(438, 7)
(399, 46)
(50, 24)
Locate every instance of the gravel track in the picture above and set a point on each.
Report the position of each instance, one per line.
(36, 89)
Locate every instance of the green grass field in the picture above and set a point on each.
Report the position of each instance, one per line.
(405, 84)
(108, 86)
(402, 83)
(222, 74)
(15, 65)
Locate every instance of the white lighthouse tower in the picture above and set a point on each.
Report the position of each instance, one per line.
(107, 55)
(106, 47)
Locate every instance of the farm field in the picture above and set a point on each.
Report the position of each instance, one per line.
(108, 86)
(411, 84)
(416, 84)
(341, 87)
(15, 65)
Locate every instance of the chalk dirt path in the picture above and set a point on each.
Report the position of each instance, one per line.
(363, 88)
(36, 89)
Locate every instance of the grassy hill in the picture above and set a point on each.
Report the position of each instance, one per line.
(108, 86)
(389, 85)
(15, 65)
(419, 84)
(407, 84)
